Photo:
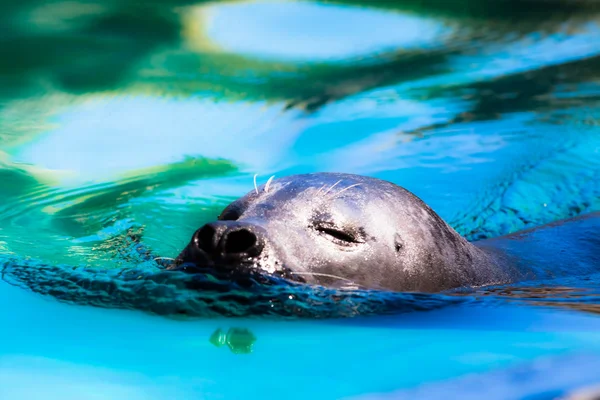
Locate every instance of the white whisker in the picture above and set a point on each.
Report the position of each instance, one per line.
(320, 189)
(321, 274)
(350, 287)
(255, 187)
(332, 186)
(343, 190)
(268, 184)
(163, 258)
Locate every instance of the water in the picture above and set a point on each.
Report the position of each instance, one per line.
(123, 118)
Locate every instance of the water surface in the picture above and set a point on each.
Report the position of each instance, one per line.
(121, 117)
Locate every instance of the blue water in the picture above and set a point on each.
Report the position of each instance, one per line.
(152, 118)
(61, 351)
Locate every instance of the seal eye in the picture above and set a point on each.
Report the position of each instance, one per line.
(337, 234)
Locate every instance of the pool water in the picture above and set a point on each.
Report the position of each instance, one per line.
(123, 118)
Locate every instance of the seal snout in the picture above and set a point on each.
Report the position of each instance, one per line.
(230, 240)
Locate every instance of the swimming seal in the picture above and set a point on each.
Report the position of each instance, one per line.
(313, 246)
(350, 231)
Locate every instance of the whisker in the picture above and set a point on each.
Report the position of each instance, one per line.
(350, 287)
(255, 186)
(322, 274)
(332, 186)
(343, 190)
(163, 258)
(268, 184)
(319, 191)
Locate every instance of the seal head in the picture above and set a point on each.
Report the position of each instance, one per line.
(339, 230)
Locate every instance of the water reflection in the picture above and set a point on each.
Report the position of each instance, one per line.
(239, 340)
(581, 295)
(168, 47)
(124, 134)
(342, 33)
(564, 377)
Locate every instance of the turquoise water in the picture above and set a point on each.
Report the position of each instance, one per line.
(121, 118)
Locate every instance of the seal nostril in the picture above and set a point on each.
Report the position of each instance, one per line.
(206, 237)
(240, 241)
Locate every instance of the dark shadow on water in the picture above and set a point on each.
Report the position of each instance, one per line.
(520, 10)
(82, 47)
(534, 90)
(576, 298)
(214, 294)
(209, 293)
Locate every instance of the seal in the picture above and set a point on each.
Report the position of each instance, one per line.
(349, 231)
(287, 248)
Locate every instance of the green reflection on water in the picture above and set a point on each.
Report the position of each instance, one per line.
(92, 46)
(239, 340)
(88, 223)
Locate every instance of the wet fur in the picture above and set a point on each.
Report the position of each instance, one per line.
(425, 254)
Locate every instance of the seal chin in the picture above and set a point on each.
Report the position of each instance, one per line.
(194, 260)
